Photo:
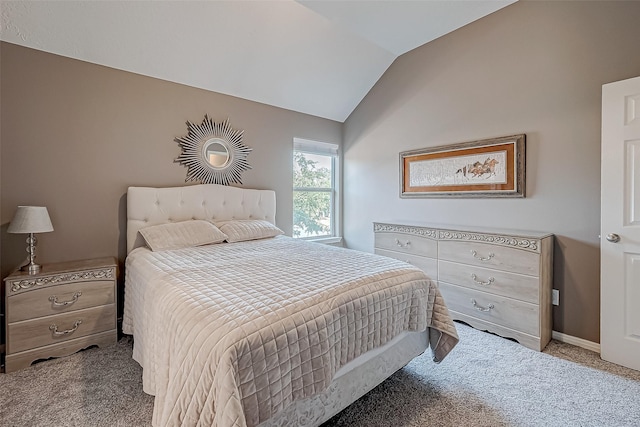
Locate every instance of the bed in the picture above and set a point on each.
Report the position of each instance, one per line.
(260, 329)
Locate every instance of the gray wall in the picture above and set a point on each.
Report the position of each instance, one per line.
(75, 135)
(535, 68)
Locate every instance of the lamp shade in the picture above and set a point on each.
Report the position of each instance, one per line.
(30, 219)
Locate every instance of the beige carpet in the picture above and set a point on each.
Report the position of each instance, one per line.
(486, 381)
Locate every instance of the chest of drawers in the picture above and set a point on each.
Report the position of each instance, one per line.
(494, 280)
(64, 308)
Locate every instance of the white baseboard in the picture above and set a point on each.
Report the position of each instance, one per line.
(579, 342)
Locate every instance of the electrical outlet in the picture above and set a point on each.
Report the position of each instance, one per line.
(555, 297)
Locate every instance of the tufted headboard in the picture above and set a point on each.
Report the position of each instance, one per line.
(147, 206)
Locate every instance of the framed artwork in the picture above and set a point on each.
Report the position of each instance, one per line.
(488, 168)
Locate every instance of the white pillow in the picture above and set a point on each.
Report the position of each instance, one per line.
(248, 229)
(184, 234)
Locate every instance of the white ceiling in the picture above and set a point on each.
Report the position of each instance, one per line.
(316, 57)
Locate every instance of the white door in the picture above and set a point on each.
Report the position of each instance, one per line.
(620, 227)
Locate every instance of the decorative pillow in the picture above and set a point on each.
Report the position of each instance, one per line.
(184, 234)
(248, 229)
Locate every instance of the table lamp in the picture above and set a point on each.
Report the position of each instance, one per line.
(29, 220)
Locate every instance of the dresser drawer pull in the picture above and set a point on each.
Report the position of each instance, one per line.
(480, 308)
(54, 329)
(56, 303)
(480, 282)
(475, 255)
(403, 245)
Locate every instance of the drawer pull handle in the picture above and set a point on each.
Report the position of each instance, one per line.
(56, 303)
(56, 333)
(480, 308)
(402, 245)
(475, 255)
(480, 282)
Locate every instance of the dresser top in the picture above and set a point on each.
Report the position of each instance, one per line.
(462, 228)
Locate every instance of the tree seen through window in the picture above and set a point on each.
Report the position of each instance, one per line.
(312, 194)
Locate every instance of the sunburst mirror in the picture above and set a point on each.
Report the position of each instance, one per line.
(213, 153)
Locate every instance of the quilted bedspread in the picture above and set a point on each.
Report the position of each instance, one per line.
(230, 334)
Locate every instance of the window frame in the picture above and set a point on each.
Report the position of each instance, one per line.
(332, 151)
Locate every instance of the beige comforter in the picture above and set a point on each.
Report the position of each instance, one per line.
(230, 334)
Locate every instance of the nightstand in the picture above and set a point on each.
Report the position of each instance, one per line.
(64, 308)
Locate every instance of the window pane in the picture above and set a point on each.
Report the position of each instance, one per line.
(311, 213)
(311, 170)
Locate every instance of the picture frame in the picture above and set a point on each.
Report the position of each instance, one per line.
(493, 167)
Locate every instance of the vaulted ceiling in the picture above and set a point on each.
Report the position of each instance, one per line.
(317, 57)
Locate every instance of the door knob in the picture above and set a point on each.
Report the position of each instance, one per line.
(613, 238)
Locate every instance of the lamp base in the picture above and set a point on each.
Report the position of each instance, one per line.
(32, 268)
(30, 264)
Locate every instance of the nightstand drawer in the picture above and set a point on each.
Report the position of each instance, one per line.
(60, 299)
(512, 285)
(43, 331)
(407, 243)
(517, 315)
(492, 256)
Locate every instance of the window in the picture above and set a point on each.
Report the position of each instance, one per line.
(315, 189)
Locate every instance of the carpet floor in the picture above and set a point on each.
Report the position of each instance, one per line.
(485, 381)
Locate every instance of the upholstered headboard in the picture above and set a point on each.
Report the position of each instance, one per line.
(147, 206)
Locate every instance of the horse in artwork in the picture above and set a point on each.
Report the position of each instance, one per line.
(477, 169)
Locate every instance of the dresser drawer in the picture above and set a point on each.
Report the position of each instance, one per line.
(34, 333)
(512, 285)
(51, 300)
(407, 243)
(517, 315)
(428, 265)
(493, 256)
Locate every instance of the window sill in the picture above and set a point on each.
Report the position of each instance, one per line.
(335, 241)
